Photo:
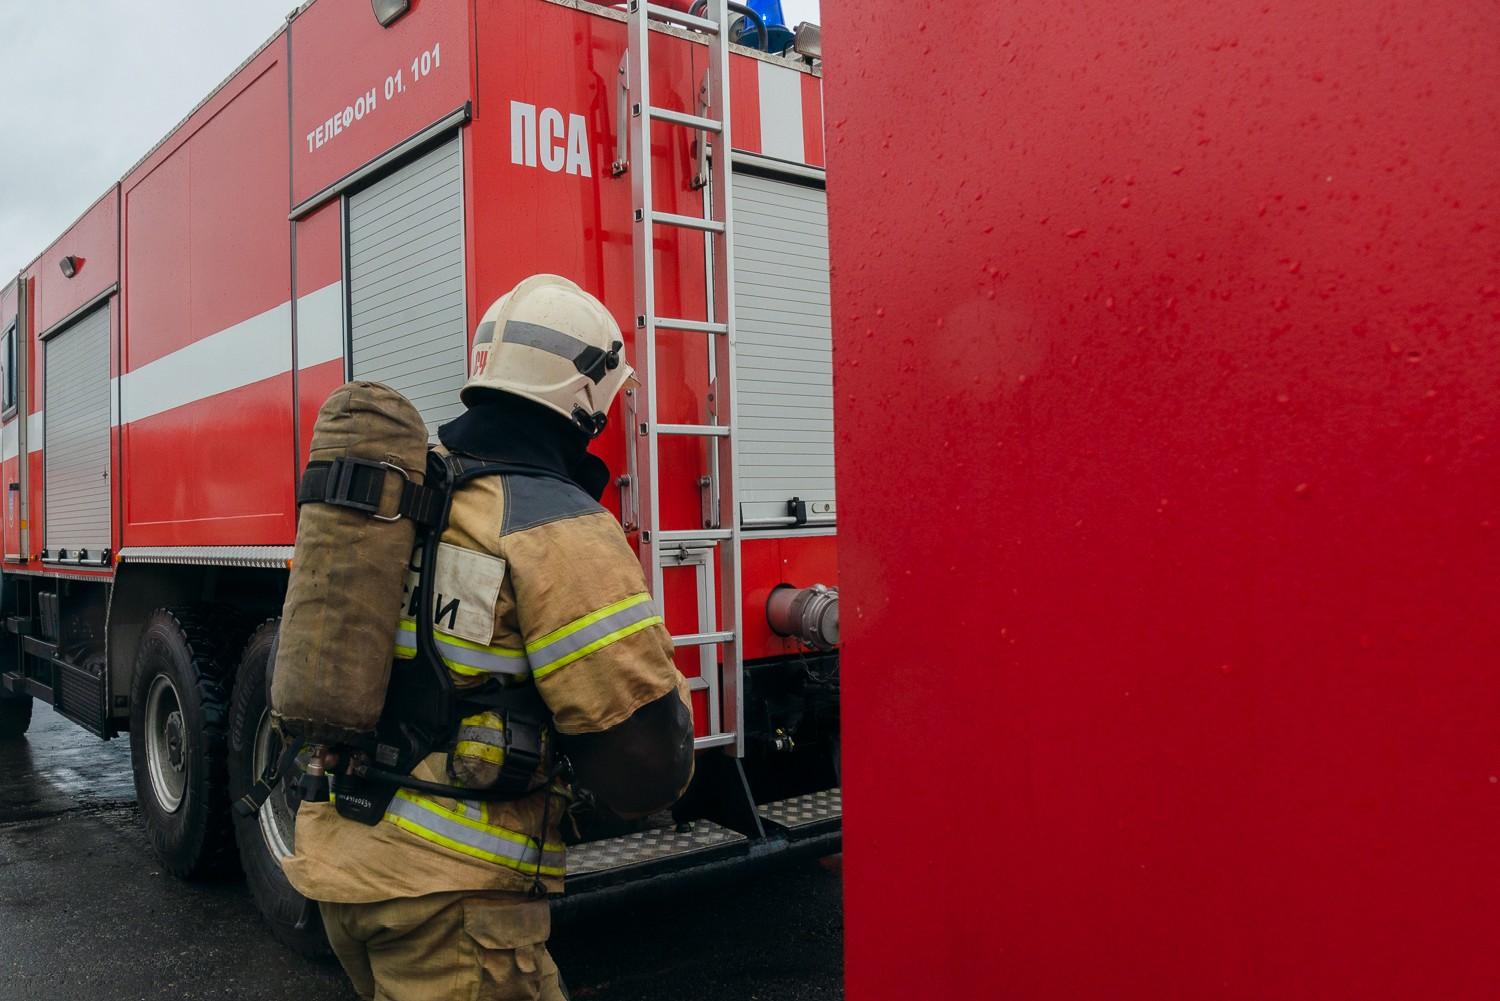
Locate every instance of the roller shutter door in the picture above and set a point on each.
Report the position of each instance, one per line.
(406, 283)
(76, 439)
(784, 350)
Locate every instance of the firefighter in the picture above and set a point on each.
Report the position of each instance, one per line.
(446, 898)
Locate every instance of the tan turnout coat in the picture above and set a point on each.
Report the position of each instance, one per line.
(537, 578)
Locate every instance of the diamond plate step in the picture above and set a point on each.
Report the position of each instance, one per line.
(804, 811)
(649, 846)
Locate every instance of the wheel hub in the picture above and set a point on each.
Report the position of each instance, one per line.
(166, 740)
(174, 741)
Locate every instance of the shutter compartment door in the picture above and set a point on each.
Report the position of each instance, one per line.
(75, 477)
(407, 322)
(784, 351)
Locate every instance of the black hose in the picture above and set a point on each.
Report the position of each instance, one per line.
(699, 6)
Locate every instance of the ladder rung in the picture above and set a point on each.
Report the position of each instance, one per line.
(683, 118)
(717, 740)
(700, 430)
(697, 684)
(687, 222)
(707, 535)
(701, 639)
(698, 326)
(683, 18)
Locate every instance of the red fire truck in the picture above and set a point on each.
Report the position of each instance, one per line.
(345, 205)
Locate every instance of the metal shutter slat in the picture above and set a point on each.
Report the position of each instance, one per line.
(406, 284)
(784, 378)
(76, 453)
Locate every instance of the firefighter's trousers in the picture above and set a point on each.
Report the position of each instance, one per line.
(486, 946)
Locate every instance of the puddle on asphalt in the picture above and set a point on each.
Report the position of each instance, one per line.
(59, 767)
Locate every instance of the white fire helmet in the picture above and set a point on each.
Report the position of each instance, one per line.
(549, 341)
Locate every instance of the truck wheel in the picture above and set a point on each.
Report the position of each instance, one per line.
(179, 709)
(15, 715)
(267, 837)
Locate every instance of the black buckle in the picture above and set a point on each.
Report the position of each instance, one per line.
(358, 484)
(524, 749)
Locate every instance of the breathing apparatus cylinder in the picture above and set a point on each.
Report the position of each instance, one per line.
(349, 567)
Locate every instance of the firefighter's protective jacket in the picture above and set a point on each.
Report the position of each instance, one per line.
(547, 587)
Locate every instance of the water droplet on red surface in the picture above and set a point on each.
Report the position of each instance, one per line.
(1073, 234)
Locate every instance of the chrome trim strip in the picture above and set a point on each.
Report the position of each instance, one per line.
(784, 168)
(269, 557)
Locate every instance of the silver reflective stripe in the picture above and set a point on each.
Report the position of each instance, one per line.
(519, 854)
(406, 634)
(563, 649)
(554, 342)
(513, 663)
(493, 736)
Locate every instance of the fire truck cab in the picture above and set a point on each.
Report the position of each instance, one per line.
(345, 206)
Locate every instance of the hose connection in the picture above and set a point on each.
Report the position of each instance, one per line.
(809, 614)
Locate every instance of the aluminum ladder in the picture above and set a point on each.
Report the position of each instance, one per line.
(713, 547)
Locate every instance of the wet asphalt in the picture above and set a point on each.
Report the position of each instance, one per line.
(87, 915)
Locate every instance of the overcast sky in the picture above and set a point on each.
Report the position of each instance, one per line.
(87, 86)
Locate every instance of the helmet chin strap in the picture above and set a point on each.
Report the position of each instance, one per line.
(590, 424)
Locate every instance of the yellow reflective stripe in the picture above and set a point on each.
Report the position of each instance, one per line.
(598, 644)
(587, 620)
(406, 639)
(460, 655)
(591, 633)
(475, 749)
(459, 641)
(429, 821)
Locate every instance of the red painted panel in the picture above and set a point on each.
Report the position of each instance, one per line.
(207, 242)
(237, 203)
(320, 252)
(320, 249)
(1168, 476)
(33, 524)
(314, 385)
(767, 563)
(744, 103)
(10, 516)
(341, 56)
(529, 219)
(158, 257)
(812, 119)
(241, 488)
(760, 571)
(95, 239)
(116, 436)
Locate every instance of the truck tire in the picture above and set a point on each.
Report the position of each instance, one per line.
(267, 837)
(15, 715)
(179, 717)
